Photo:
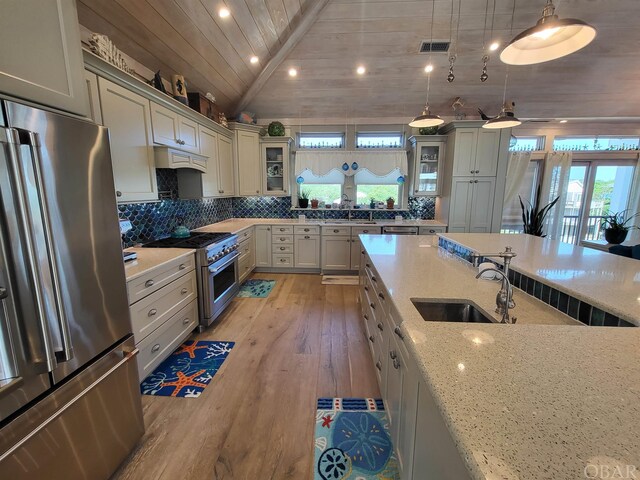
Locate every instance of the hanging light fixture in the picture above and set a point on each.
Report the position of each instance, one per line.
(427, 119)
(506, 117)
(549, 39)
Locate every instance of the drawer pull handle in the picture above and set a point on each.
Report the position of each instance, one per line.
(366, 317)
(372, 338)
(366, 289)
(365, 231)
(283, 260)
(396, 364)
(306, 229)
(393, 354)
(380, 327)
(283, 248)
(282, 239)
(432, 231)
(307, 237)
(152, 312)
(381, 296)
(282, 230)
(268, 229)
(182, 266)
(155, 348)
(186, 321)
(373, 307)
(336, 231)
(374, 279)
(184, 290)
(148, 283)
(398, 333)
(379, 366)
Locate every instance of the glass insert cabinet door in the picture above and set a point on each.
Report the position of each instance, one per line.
(276, 168)
(428, 158)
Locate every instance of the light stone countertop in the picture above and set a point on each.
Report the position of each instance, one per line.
(149, 258)
(235, 225)
(609, 282)
(525, 401)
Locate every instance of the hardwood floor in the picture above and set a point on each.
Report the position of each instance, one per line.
(256, 418)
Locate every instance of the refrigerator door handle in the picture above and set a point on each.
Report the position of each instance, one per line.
(10, 137)
(63, 324)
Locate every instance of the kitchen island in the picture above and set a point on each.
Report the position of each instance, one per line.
(546, 398)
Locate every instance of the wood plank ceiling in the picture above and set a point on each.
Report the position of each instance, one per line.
(187, 36)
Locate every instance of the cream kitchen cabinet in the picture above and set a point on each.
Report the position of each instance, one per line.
(471, 207)
(41, 54)
(247, 252)
(247, 159)
(336, 252)
(128, 117)
(307, 250)
(275, 152)
(477, 152)
(427, 152)
(263, 245)
(226, 175)
(95, 111)
(173, 130)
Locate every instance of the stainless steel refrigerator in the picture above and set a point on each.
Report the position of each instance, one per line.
(69, 397)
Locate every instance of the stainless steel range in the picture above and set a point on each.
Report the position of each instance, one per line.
(217, 264)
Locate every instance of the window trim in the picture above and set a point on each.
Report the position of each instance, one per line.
(540, 143)
(596, 137)
(370, 134)
(301, 135)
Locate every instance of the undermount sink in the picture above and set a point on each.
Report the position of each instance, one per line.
(342, 222)
(436, 311)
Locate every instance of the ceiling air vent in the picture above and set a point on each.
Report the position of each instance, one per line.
(435, 47)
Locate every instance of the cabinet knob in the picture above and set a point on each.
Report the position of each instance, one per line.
(379, 366)
(282, 239)
(396, 364)
(470, 181)
(380, 327)
(476, 181)
(268, 229)
(307, 237)
(257, 191)
(282, 248)
(184, 290)
(148, 283)
(336, 231)
(366, 317)
(306, 229)
(283, 260)
(118, 193)
(365, 231)
(155, 348)
(282, 229)
(381, 296)
(398, 332)
(152, 312)
(182, 266)
(185, 321)
(416, 190)
(470, 171)
(373, 307)
(477, 171)
(393, 355)
(366, 289)
(371, 338)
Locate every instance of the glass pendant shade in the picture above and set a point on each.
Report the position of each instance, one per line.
(427, 119)
(549, 39)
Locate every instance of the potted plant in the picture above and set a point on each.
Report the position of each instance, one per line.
(372, 203)
(533, 216)
(428, 130)
(314, 203)
(390, 202)
(616, 227)
(303, 199)
(275, 129)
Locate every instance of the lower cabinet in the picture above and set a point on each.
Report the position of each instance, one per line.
(247, 258)
(471, 208)
(307, 251)
(336, 252)
(263, 245)
(164, 312)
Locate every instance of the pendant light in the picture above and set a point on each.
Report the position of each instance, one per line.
(427, 119)
(506, 117)
(549, 39)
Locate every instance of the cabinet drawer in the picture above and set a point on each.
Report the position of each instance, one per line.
(149, 313)
(431, 230)
(282, 260)
(336, 231)
(158, 277)
(283, 248)
(245, 248)
(282, 229)
(372, 230)
(245, 266)
(282, 239)
(306, 229)
(163, 342)
(245, 234)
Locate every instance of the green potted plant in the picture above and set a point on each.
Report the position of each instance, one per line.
(428, 130)
(303, 199)
(533, 216)
(275, 129)
(390, 202)
(314, 203)
(616, 226)
(372, 203)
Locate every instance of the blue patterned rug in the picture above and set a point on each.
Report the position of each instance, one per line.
(352, 441)
(188, 370)
(255, 288)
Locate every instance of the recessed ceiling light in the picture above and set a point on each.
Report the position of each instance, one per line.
(428, 68)
(254, 59)
(563, 121)
(293, 72)
(494, 46)
(224, 12)
(361, 70)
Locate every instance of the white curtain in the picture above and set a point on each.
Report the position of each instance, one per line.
(378, 163)
(555, 183)
(634, 205)
(516, 170)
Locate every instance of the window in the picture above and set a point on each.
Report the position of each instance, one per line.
(586, 143)
(380, 140)
(512, 212)
(369, 186)
(320, 140)
(526, 144)
(596, 189)
(326, 189)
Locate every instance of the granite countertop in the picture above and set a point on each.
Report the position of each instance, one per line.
(609, 282)
(540, 399)
(235, 225)
(149, 258)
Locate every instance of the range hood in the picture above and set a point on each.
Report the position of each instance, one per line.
(167, 157)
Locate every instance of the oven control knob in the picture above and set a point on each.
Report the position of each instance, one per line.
(210, 259)
(235, 247)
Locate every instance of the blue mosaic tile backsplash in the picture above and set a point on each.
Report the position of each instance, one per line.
(157, 219)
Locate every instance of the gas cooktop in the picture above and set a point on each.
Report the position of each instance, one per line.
(196, 240)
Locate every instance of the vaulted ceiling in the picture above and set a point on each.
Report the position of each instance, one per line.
(188, 37)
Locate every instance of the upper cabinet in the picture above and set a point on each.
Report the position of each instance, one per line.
(226, 171)
(128, 117)
(174, 130)
(477, 151)
(41, 54)
(427, 152)
(275, 153)
(247, 155)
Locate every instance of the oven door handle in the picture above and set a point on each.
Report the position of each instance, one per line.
(215, 270)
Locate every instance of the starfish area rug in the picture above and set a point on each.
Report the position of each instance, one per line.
(188, 370)
(256, 288)
(352, 441)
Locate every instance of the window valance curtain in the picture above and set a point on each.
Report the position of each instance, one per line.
(380, 164)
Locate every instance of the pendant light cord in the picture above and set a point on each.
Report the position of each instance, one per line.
(484, 32)
(433, 9)
(506, 75)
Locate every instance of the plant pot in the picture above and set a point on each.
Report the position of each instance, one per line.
(303, 202)
(390, 205)
(314, 203)
(615, 236)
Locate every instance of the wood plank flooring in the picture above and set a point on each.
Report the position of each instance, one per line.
(256, 418)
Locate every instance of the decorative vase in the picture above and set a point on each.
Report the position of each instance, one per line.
(314, 203)
(615, 236)
(390, 204)
(303, 202)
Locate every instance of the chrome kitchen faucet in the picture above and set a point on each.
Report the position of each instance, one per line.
(504, 298)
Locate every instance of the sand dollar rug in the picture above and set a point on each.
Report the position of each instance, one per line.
(352, 441)
(256, 288)
(188, 370)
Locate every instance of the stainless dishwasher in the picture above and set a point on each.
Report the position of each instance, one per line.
(400, 230)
